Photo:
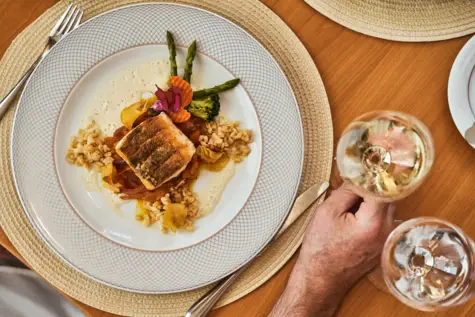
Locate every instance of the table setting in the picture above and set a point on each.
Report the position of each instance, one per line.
(327, 92)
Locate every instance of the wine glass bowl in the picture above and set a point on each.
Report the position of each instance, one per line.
(428, 264)
(385, 155)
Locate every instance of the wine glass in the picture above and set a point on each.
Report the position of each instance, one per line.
(428, 264)
(385, 155)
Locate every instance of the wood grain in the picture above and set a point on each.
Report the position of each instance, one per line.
(360, 73)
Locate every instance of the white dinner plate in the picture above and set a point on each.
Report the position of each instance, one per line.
(80, 225)
(461, 92)
(119, 224)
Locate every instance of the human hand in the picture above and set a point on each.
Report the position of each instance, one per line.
(339, 248)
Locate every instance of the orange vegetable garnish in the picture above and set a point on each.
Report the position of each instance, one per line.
(186, 91)
(195, 136)
(219, 165)
(132, 112)
(193, 169)
(180, 116)
(109, 178)
(174, 216)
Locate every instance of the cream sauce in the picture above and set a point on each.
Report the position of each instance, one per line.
(123, 90)
(91, 180)
(210, 195)
(113, 201)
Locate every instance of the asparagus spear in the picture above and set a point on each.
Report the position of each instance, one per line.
(172, 53)
(230, 84)
(189, 61)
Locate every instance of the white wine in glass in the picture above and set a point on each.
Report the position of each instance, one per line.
(428, 264)
(385, 155)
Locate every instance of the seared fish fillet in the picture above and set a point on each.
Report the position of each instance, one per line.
(156, 150)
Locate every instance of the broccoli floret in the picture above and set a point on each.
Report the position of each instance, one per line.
(206, 109)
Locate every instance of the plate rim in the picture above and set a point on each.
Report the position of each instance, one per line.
(454, 75)
(80, 215)
(43, 235)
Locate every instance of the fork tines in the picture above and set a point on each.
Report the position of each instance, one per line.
(68, 21)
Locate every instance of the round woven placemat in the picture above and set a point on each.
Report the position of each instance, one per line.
(402, 20)
(299, 68)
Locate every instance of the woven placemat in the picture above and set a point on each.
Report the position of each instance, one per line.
(402, 20)
(297, 64)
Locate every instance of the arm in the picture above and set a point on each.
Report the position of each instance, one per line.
(339, 248)
(304, 297)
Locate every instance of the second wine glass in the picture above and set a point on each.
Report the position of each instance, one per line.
(428, 264)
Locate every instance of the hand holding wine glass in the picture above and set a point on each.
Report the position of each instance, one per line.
(340, 246)
(427, 263)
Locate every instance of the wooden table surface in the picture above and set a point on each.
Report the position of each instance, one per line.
(360, 74)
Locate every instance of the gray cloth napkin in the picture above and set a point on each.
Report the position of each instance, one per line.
(24, 294)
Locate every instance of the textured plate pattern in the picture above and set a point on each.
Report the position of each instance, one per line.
(461, 92)
(177, 270)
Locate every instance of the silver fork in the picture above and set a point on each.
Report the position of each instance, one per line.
(68, 21)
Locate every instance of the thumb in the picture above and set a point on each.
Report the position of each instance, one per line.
(341, 200)
(372, 211)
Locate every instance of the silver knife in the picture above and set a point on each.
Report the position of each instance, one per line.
(204, 305)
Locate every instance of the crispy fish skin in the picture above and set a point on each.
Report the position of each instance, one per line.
(138, 136)
(156, 150)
